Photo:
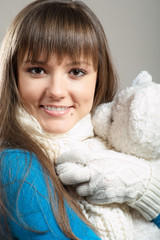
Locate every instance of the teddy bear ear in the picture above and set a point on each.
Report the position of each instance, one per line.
(143, 78)
(144, 123)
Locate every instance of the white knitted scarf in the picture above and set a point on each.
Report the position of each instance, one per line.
(112, 221)
(55, 144)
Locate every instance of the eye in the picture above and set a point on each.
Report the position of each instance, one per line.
(36, 70)
(76, 72)
(112, 120)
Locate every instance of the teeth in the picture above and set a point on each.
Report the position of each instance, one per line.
(58, 109)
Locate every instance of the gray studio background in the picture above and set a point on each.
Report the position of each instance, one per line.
(132, 28)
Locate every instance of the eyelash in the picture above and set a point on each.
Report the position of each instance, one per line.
(79, 71)
(75, 72)
(30, 70)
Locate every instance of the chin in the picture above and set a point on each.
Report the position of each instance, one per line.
(57, 130)
(59, 127)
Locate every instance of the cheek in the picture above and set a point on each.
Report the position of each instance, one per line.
(86, 95)
(90, 85)
(25, 92)
(90, 91)
(26, 85)
(28, 93)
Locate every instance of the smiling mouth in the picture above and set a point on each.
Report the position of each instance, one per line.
(56, 109)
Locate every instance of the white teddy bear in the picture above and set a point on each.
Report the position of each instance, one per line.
(130, 124)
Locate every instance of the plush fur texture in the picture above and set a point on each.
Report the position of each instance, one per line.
(131, 123)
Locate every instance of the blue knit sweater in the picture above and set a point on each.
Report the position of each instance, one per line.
(27, 200)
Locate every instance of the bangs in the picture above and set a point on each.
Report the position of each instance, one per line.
(58, 29)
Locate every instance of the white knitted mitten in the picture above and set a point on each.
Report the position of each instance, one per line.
(105, 178)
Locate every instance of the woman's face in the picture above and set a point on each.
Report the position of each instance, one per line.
(57, 95)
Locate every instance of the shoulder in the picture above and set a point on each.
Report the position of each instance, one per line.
(11, 155)
(16, 155)
(17, 164)
(23, 174)
(22, 178)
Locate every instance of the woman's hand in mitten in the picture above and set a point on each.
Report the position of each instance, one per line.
(72, 167)
(105, 178)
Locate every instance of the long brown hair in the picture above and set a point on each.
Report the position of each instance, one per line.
(61, 27)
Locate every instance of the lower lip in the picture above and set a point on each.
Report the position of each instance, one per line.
(57, 113)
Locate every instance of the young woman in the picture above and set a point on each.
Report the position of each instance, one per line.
(55, 64)
(55, 69)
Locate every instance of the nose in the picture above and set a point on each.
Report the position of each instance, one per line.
(56, 87)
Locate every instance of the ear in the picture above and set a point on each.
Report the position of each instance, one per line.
(144, 124)
(102, 119)
(143, 78)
